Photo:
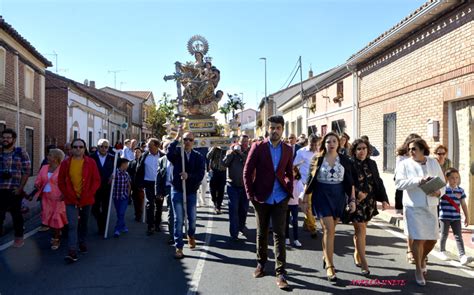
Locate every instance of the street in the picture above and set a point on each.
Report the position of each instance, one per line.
(140, 264)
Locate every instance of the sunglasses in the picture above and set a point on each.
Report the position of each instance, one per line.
(441, 154)
(361, 148)
(188, 139)
(412, 149)
(77, 146)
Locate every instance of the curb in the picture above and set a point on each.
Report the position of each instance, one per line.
(451, 247)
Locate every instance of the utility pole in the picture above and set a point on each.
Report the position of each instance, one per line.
(301, 80)
(115, 76)
(121, 83)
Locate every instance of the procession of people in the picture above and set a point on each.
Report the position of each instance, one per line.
(327, 179)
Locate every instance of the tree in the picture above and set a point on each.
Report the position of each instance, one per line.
(235, 103)
(157, 116)
(225, 109)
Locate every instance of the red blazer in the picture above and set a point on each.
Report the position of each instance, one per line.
(259, 175)
(90, 182)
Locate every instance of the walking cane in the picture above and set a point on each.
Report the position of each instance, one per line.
(110, 196)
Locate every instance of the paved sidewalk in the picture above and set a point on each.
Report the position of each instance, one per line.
(396, 219)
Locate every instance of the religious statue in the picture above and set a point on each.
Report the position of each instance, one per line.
(199, 80)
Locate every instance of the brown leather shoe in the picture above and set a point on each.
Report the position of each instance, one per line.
(259, 271)
(179, 254)
(281, 282)
(191, 242)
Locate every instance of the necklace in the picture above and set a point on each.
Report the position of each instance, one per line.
(422, 162)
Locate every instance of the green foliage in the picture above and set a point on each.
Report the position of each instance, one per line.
(225, 109)
(157, 116)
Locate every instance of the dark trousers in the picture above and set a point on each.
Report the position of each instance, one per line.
(457, 232)
(277, 214)
(154, 205)
(138, 197)
(293, 209)
(238, 208)
(101, 206)
(11, 203)
(398, 199)
(217, 184)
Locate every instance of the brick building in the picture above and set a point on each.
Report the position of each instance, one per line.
(22, 96)
(76, 110)
(419, 77)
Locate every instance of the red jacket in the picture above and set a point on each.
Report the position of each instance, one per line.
(90, 182)
(259, 175)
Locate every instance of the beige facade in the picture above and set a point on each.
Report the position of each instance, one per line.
(420, 82)
(332, 107)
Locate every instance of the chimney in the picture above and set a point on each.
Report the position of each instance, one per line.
(310, 73)
(92, 84)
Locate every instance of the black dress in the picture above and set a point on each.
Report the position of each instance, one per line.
(364, 181)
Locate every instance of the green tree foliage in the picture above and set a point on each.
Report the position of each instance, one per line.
(158, 116)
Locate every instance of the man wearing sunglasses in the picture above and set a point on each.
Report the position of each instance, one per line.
(78, 180)
(192, 174)
(105, 164)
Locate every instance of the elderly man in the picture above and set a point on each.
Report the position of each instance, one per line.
(145, 178)
(105, 164)
(192, 174)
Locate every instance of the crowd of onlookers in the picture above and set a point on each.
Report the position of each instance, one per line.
(326, 178)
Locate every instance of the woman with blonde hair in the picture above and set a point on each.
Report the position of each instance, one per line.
(441, 154)
(344, 145)
(53, 212)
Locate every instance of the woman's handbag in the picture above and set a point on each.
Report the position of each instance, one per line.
(346, 214)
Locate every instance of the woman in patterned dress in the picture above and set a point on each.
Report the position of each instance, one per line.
(329, 182)
(369, 189)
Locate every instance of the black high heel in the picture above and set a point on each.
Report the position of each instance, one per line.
(331, 278)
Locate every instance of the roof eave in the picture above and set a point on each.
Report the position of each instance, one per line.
(432, 11)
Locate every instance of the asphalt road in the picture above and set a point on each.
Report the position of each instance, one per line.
(140, 264)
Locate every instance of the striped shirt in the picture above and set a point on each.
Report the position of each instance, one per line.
(446, 210)
(122, 179)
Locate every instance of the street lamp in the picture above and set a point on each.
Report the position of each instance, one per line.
(265, 59)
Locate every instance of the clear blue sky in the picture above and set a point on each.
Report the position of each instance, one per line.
(144, 38)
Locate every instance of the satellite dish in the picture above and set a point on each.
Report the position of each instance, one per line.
(124, 125)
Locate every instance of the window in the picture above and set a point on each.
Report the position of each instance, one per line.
(3, 62)
(287, 127)
(29, 143)
(338, 126)
(293, 127)
(299, 126)
(75, 134)
(29, 82)
(3, 126)
(389, 144)
(340, 89)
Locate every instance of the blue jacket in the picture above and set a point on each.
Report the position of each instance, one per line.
(195, 168)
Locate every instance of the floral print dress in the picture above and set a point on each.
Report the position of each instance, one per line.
(366, 208)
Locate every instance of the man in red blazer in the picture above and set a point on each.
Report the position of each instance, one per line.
(268, 180)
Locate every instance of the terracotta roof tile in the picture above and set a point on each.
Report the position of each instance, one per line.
(15, 35)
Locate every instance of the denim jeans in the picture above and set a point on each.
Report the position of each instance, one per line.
(293, 209)
(169, 203)
(78, 219)
(120, 207)
(178, 211)
(457, 232)
(238, 208)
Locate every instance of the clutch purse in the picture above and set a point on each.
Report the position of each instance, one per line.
(432, 185)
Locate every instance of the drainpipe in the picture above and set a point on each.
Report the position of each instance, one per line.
(17, 97)
(42, 123)
(355, 101)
